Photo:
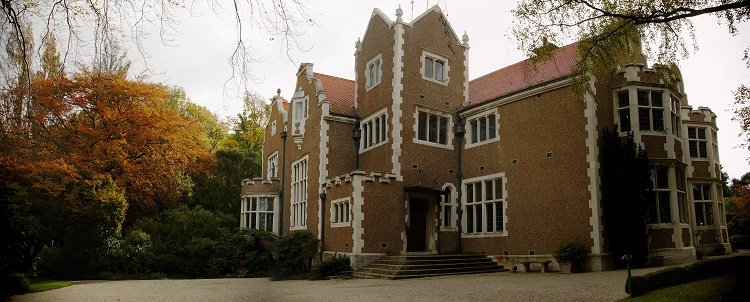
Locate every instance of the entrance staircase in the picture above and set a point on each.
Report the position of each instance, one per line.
(417, 266)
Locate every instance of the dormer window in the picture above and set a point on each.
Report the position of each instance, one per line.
(373, 72)
(435, 68)
(300, 110)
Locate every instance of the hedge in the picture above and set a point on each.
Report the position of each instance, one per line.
(703, 269)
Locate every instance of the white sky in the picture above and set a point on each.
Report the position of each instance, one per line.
(198, 60)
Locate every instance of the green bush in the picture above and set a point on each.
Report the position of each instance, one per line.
(330, 267)
(703, 269)
(573, 251)
(294, 254)
(13, 284)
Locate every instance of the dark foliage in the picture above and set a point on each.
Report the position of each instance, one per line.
(703, 269)
(13, 284)
(625, 181)
(295, 252)
(330, 267)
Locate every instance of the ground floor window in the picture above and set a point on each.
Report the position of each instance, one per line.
(704, 210)
(258, 212)
(485, 205)
(340, 213)
(659, 201)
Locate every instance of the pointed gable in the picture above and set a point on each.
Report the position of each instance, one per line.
(340, 93)
(523, 75)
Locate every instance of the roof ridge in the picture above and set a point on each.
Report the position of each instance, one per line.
(522, 62)
(333, 76)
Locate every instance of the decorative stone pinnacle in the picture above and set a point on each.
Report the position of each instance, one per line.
(357, 46)
(399, 13)
(278, 92)
(465, 39)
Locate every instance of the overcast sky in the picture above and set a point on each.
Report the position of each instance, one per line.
(198, 58)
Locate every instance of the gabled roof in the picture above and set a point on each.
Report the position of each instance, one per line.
(522, 75)
(340, 93)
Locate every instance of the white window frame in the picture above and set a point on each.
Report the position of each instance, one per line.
(619, 108)
(426, 56)
(704, 203)
(341, 212)
(448, 130)
(448, 205)
(674, 104)
(370, 139)
(473, 124)
(482, 204)
(272, 162)
(248, 215)
(273, 128)
(373, 72)
(301, 114)
(698, 141)
(660, 191)
(682, 200)
(651, 108)
(299, 194)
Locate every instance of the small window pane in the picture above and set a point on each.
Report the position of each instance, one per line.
(470, 219)
(478, 208)
(428, 68)
(643, 98)
(658, 119)
(498, 189)
(488, 190)
(491, 122)
(433, 128)
(623, 98)
(665, 209)
(498, 217)
(644, 119)
(478, 191)
(422, 126)
(470, 193)
(482, 129)
(625, 120)
(656, 100)
(443, 130)
(474, 131)
(489, 217)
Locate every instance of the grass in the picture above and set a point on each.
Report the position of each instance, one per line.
(724, 288)
(41, 284)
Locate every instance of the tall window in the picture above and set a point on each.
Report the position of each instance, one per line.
(448, 207)
(623, 109)
(435, 68)
(659, 206)
(715, 144)
(484, 206)
(697, 142)
(675, 102)
(650, 110)
(300, 109)
(704, 210)
(483, 128)
(374, 130)
(432, 127)
(340, 214)
(372, 75)
(273, 128)
(299, 193)
(258, 212)
(682, 195)
(273, 164)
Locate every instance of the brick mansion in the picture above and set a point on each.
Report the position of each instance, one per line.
(413, 157)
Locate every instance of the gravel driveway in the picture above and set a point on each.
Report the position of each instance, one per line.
(505, 286)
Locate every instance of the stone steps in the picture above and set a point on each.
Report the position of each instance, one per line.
(402, 267)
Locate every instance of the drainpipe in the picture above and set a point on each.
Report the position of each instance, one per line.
(283, 181)
(357, 136)
(460, 130)
(322, 223)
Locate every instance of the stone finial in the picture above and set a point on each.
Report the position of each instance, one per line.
(278, 92)
(465, 39)
(357, 47)
(399, 14)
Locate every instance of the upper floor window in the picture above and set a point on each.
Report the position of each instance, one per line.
(650, 110)
(300, 109)
(704, 208)
(273, 164)
(435, 68)
(483, 128)
(258, 213)
(697, 142)
(623, 110)
(432, 126)
(299, 194)
(675, 102)
(273, 128)
(374, 130)
(485, 205)
(658, 202)
(373, 72)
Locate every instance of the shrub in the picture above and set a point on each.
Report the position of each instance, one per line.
(294, 254)
(13, 284)
(703, 269)
(330, 267)
(572, 251)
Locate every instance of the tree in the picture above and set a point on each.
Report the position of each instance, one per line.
(738, 206)
(625, 181)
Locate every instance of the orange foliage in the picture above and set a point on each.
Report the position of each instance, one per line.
(107, 124)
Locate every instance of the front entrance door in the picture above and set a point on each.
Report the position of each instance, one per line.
(417, 230)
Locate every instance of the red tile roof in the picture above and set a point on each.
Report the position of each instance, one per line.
(340, 93)
(522, 75)
(285, 104)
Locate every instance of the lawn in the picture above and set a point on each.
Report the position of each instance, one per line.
(724, 288)
(41, 284)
